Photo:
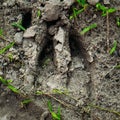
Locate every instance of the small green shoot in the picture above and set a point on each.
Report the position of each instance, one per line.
(18, 25)
(104, 9)
(76, 11)
(7, 83)
(81, 2)
(114, 47)
(3, 50)
(88, 28)
(117, 66)
(4, 82)
(55, 116)
(1, 32)
(39, 93)
(13, 89)
(38, 13)
(10, 56)
(118, 22)
(26, 102)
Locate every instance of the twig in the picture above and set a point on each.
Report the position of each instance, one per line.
(61, 102)
(104, 109)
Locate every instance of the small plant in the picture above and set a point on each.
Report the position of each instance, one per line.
(113, 49)
(88, 28)
(55, 116)
(7, 83)
(3, 50)
(104, 9)
(10, 56)
(117, 66)
(1, 32)
(26, 102)
(18, 25)
(118, 21)
(76, 11)
(39, 13)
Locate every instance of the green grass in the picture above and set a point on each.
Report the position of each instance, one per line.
(82, 4)
(39, 13)
(55, 116)
(113, 49)
(18, 25)
(118, 21)
(7, 83)
(104, 9)
(86, 29)
(1, 32)
(3, 50)
(26, 102)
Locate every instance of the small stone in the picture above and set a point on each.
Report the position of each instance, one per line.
(18, 37)
(93, 2)
(30, 32)
(51, 12)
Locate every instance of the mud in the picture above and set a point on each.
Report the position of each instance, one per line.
(51, 54)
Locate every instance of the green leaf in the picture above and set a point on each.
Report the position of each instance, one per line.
(88, 28)
(58, 91)
(39, 92)
(111, 10)
(82, 2)
(55, 116)
(118, 21)
(18, 25)
(12, 88)
(1, 32)
(6, 48)
(50, 106)
(59, 112)
(26, 101)
(38, 13)
(114, 47)
(117, 67)
(104, 9)
(3, 81)
(76, 13)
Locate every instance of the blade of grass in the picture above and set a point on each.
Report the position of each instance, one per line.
(26, 101)
(88, 28)
(50, 106)
(18, 25)
(2, 51)
(13, 89)
(114, 47)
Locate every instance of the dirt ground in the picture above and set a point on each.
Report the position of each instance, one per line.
(73, 71)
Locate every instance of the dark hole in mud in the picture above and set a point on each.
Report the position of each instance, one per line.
(47, 54)
(76, 46)
(26, 20)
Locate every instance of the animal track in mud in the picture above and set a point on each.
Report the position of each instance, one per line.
(54, 35)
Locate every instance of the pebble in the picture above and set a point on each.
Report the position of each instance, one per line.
(30, 32)
(18, 37)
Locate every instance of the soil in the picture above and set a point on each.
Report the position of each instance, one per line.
(73, 71)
